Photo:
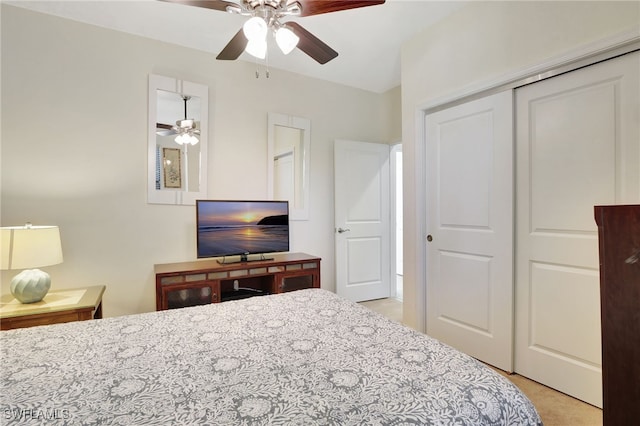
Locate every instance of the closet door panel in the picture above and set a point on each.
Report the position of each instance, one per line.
(552, 286)
(572, 157)
(469, 157)
(571, 131)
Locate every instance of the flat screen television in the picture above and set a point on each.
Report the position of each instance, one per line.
(231, 228)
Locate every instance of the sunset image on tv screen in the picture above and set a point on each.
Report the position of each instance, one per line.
(228, 228)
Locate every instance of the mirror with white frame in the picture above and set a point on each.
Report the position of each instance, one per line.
(288, 144)
(177, 145)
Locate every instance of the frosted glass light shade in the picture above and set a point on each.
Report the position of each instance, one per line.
(181, 139)
(257, 48)
(287, 40)
(255, 29)
(186, 138)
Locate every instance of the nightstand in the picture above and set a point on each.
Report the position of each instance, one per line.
(77, 304)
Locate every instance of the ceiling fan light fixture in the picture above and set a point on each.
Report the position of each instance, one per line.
(265, 15)
(192, 139)
(186, 139)
(257, 48)
(181, 139)
(186, 124)
(286, 39)
(255, 29)
(236, 10)
(292, 9)
(187, 130)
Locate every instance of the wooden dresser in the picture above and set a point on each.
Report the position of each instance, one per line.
(619, 244)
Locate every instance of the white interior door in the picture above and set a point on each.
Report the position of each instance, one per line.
(362, 220)
(577, 146)
(470, 225)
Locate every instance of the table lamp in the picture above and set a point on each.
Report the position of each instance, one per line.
(26, 247)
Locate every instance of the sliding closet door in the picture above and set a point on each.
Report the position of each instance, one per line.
(470, 225)
(577, 146)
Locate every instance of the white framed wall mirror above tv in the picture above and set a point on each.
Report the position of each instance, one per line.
(177, 141)
(288, 152)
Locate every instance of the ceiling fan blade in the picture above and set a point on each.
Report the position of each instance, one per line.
(312, 45)
(207, 4)
(316, 7)
(164, 129)
(234, 48)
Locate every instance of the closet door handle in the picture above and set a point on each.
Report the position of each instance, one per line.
(340, 230)
(429, 238)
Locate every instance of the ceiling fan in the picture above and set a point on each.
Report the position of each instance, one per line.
(265, 15)
(187, 130)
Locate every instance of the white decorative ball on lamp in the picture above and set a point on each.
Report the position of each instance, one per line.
(27, 247)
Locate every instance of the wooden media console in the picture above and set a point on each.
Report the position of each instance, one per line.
(201, 282)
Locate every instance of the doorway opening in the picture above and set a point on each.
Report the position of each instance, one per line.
(392, 306)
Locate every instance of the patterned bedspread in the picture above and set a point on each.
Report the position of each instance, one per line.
(301, 358)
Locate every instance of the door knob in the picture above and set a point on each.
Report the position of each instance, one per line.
(340, 230)
(429, 238)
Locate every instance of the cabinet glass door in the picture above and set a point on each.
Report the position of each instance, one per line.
(188, 297)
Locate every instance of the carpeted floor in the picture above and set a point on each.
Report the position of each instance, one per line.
(555, 408)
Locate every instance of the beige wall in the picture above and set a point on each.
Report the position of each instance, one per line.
(74, 138)
(483, 42)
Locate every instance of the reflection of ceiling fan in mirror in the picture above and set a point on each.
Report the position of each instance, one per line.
(265, 15)
(186, 130)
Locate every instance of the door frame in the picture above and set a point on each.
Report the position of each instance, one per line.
(393, 202)
(608, 48)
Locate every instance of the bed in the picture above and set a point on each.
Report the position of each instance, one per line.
(306, 357)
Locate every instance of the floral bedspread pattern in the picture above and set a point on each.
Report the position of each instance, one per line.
(301, 358)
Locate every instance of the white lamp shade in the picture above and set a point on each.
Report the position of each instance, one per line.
(287, 40)
(257, 48)
(255, 29)
(25, 247)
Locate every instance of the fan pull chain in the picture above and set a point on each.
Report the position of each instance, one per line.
(266, 73)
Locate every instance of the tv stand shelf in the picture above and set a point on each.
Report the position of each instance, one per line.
(201, 282)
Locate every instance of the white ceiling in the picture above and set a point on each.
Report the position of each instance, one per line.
(367, 39)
